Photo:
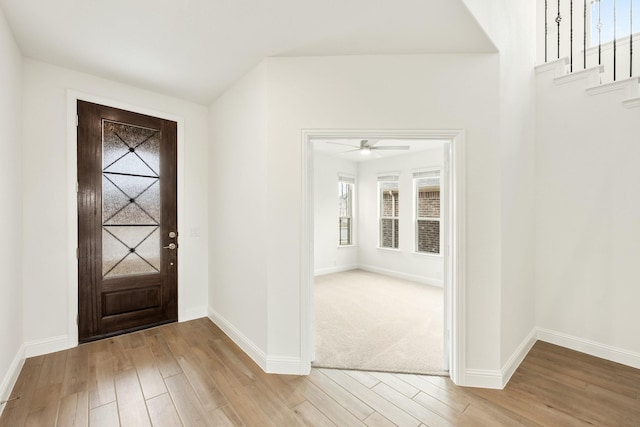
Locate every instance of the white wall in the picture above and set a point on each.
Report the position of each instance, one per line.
(384, 92)
(395, 92)
(403, 262)
(329, 257)
(588, 233)
(511, 27)
(237, 212)
(11, 324)
(46, 208)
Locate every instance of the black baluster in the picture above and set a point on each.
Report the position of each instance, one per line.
(630, 38)
(584, 35)
(614, 40)
(546, 28)
(558, 19)
(599, 32)
(571, 36)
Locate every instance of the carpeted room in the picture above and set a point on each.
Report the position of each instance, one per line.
(378, 287)
(370, 321)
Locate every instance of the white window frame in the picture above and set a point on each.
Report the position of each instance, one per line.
(418, 175)
(350, 181)
(382, 179)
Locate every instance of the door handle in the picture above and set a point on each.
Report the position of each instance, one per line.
(171, 246)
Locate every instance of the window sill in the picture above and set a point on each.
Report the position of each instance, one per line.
(389, 249)
(427, 254)
(346, 246)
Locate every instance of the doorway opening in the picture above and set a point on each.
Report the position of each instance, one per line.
(383, 257)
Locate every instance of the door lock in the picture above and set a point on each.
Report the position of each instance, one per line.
(173, 234)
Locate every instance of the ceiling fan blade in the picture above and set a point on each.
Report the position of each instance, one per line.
(372, 142)
(390, 147)
(340, 143)
(349, 151)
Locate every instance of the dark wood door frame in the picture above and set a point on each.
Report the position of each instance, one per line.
(92, 322)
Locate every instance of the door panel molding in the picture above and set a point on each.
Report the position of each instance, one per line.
(72, 207)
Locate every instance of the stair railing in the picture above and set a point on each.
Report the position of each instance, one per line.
(605, 25)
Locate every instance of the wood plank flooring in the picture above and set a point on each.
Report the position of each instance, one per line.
(191, 374)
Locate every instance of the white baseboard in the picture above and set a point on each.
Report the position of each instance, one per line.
(518, 356)
(46, 345)
(252, 350)
(9, 380)
(336, 269)
(269, 364)
(193, 313)
(486, 378)
(498, 379)
(285, 365)
(401, 275)
(483, 378)
(592, 348)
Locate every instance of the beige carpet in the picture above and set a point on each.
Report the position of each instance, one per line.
(373, 322)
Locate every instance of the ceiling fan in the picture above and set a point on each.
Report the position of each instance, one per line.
(367, 146)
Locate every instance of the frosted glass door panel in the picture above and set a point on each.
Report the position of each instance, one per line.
(130, 200)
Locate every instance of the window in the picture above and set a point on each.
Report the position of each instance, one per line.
(602, 20)
(427, 201)
(389, 211)
(345, 210)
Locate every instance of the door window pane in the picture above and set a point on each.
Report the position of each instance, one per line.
(130, 200)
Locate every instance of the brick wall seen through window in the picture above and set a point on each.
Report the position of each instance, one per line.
(427, 189)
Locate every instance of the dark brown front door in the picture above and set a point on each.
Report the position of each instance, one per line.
(127, 221)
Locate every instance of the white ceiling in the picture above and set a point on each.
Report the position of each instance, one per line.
(346, 148)
(194, 49)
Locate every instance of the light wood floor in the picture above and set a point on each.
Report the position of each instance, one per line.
(191, 374)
